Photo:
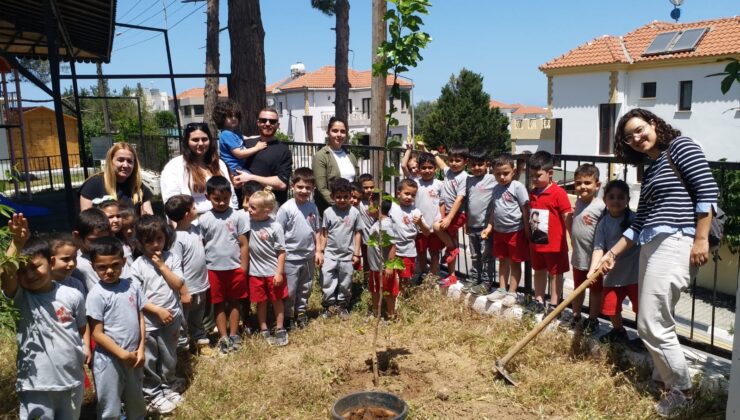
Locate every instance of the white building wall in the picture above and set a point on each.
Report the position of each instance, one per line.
(714, 119)
(576, 99)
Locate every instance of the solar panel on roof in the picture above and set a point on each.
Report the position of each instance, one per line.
(688, 40)
(660, 43)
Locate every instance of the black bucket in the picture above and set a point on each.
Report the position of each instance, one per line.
(380, 400)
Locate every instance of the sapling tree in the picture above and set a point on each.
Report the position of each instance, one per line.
(397, 55)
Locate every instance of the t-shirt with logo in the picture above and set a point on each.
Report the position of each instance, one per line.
(427, 199)
(508, 201)
(453, 186)
(366, 219)
(50, 351)
(608, 233)
(266, 238)
(221, 233)
(189, 247)
(406, 229)
(300, 224)
(155, 287)
(585, 218)
(546, 219)
(479, 192)
(373, 252)
(340, 226)
(117, 306)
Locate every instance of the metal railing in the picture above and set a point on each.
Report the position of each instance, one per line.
(44, 174)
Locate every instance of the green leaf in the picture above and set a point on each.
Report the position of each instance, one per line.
(727, 84)
(395, 264)
(393, 144)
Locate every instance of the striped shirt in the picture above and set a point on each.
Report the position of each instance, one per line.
(665, 204)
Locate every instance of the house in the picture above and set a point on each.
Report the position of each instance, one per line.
(305, 103)
(660, 66)
(156, 100)
(191, 104)
(529, 127)
(41, 137)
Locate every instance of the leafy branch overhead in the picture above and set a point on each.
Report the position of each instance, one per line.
(731, 75)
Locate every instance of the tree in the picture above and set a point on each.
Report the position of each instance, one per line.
(165, 119)
(339, 9)
(463, 116)
(421, 113)
(247, 61)
(210, 93)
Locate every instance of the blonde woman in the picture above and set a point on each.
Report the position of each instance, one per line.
(121, 178)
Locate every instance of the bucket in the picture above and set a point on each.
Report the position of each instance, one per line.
(369, 404)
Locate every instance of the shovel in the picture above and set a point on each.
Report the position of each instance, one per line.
(501, 363)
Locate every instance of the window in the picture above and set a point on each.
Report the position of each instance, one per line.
(198, 110)
(546, 123)
(280, 107)
(684, 100)
(186, 110)
(517, 123)
(349, 107)
(366, 106)
(607, 121)
(532, 123)
(649, 89)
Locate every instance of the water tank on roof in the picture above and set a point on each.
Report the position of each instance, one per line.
(297, 69)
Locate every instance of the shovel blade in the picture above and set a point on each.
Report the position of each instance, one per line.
(502, 372)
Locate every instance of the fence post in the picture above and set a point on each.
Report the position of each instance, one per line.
(48, 168)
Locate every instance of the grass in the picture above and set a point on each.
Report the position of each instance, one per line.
(438, 357)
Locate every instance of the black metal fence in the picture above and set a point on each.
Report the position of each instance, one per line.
(44, 174)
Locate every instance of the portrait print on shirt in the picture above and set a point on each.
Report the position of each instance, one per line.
(538, 223)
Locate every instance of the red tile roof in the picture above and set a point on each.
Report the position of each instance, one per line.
(723, 38)
(323, 78)
(198, 93)
(527, 109)
(500, 105)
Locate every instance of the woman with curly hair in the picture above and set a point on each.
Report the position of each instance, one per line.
(120, 178)
(678, 199)
(188, 173)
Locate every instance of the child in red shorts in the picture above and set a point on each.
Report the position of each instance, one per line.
(390, 287)
(453, 195)
(408, 222)
(224, 230)
(267, 265)
(548, 246)
(621, 281)
(510, 245)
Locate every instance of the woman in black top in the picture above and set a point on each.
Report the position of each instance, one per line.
(121, 179)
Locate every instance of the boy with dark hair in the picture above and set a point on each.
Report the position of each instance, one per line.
(341, 235)
(249, 188)
(356, 194)
(478, 207)
(427, 201)
(549, 247)
(224, 233)
(91, 224)
(188, 246)
(227, 116)
(510, 245)
(378, 272)
(368, 198)
(588, 211)
(408, 222)
(299, 218)
(52, 322)
(64, 260)
(453, 195)
(114, 309)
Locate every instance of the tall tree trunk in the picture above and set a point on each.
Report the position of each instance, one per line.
(247, 61)
(341, 60)
(378, 88)
(103, 91)
(212, 65)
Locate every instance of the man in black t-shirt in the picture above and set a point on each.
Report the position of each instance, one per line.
(272, 165)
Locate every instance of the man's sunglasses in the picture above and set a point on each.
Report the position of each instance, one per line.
(266, 120)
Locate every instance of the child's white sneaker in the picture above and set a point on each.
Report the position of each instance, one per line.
(161, 405)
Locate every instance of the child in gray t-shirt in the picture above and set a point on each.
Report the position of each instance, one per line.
(188, 246)
(50, 376)
(91, 224)
(378, 272)
(267, 265)
(114, 310)
(299, 218)
(159, 273)
(478, 208)
(340, 236)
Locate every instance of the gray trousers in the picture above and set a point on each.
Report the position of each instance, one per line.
(336, 282)
(299, 275)
(191, 328)
(115, 383)
(161, 359)
(48, 405)
(481, 258)
(664, 271)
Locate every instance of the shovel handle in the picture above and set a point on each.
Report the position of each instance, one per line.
(546, 321)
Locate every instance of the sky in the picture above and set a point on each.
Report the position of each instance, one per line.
(504, 41)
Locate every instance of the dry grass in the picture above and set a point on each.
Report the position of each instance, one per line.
(438, 357)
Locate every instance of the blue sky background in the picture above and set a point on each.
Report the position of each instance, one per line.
(505, 41)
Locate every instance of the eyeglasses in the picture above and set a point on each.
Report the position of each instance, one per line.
(637, 132)
(266, 120)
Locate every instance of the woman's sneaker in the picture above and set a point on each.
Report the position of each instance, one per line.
(673, 404)
(161, 405)
(281, 337)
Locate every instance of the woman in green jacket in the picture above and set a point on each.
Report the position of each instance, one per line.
(332, 162)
